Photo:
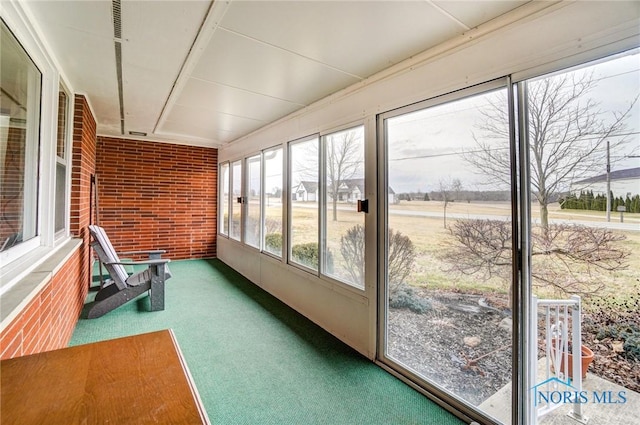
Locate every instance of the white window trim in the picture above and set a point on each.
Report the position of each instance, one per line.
(19, 261)
(63, 234)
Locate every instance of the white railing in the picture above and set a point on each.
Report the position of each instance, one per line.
(562, 335)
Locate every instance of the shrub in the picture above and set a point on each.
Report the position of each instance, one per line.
(405, 297)
(402, 255)
(352, 250)
(308, 255)
(273, 242)
(628, 332)
(402, 258)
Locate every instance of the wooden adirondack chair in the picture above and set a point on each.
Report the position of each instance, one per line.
(122, 287)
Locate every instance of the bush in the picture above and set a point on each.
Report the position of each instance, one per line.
(352, 250)
(273, 242)
(402, 258)
(307, 254)
(402, 255)
(628, 332)
(405, 297)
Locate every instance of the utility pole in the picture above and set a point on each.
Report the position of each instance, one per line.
(608, 184)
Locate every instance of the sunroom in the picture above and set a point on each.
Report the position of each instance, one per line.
(392, 183)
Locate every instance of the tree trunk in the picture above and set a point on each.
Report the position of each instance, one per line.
(335, 209)
(544, 216)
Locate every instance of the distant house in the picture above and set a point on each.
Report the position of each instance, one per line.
(351, 190)
(623, 183)
(305, 191)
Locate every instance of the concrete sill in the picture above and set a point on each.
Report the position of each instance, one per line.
(18, 296)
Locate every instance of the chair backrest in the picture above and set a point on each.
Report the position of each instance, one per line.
(106, 254)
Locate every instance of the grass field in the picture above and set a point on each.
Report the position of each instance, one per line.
(431, 240)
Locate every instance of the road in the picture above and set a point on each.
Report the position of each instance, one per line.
(631, 225)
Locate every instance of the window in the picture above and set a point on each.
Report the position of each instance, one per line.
(224, 199)
(20, 82)
(236, 201)
(343, 229)
(303, 208)
(273, 201)
(253, 195)
(61, 161)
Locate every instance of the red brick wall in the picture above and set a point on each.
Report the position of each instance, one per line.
(49, 319)
(158, 196)
(84, 165)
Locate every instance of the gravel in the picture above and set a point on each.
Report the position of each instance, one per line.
(463, 343)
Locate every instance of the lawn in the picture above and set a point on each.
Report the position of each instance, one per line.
(431, 240)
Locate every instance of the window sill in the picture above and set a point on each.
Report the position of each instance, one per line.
(15, 298)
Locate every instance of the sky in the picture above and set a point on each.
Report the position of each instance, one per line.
(424, 146)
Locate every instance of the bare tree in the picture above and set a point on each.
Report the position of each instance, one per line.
(449, 191)
(570, 259)
(344, 160)
(567, 136)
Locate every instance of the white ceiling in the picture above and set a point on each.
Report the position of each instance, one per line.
(207, 73)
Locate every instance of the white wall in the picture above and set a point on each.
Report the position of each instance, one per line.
(525, 43)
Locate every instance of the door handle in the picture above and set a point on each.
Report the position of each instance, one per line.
(363, 205)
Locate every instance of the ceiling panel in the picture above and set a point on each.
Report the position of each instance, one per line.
(81, 33)
(151, 68)
(474, 13)
(240, 62)
(88, 17)
(208, 120)
(360, 38)
(229, 100)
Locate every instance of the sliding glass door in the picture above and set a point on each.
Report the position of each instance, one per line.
(449, 243)
(506, 246)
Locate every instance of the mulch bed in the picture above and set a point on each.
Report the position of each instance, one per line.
(463, 344)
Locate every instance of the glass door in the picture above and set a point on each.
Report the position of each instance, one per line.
(449, 244)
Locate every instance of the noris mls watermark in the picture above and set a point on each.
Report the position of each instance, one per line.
(557, 391)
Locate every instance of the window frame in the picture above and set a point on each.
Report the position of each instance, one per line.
(324, 202)
(33, 159)
(246, 195)
(221, 200)
(234, 200)
(283, 200)
(289, 232)
(65, 161)
(20, 260)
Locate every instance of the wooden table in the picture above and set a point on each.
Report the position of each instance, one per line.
(141, 379)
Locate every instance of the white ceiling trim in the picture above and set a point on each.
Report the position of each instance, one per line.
(211, 22)
(449, 15)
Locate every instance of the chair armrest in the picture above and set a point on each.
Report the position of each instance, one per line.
(157, 261)
(153, 251)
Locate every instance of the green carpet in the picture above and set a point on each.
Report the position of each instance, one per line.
(257, 361)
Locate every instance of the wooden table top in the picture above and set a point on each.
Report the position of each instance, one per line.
(140, 379)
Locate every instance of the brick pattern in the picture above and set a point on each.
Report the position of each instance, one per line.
(49, 319)
(83, 162)
(158, 196)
